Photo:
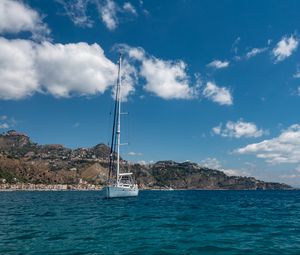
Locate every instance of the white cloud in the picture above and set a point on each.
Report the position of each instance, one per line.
(128, 7)
(6, 122)
(255, 51)
(282, 149)
(76, 125)
(135, 53)
(217, 130)
(212, 163)
(297, 74)
(129, 79)
(62, 70)
(132, 153)
(4, 125)
(74, 68)
(108, 13)
(16, 17)
(18, 76)
(165, 78)
(234, 46)
(289, 176)
(239, 129)
(220, 95)
(144, 162)
(234, 172)
(284, 48)
(76, 10)
(218, 64)
(299, 91)
(65, 70)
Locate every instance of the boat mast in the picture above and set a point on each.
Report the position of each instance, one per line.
(119, 117)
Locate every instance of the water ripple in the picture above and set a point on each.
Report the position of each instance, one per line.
(178, 222)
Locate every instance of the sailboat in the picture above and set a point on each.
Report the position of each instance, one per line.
(120, 183)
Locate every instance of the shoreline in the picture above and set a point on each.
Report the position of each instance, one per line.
(6, 187)
(49, 187)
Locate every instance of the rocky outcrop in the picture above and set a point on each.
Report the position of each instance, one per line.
(189, 175)
(22, 161)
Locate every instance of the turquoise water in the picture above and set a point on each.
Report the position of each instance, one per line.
(157, 222)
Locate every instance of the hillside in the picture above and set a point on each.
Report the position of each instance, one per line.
(24, 161)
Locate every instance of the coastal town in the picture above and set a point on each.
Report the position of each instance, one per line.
(47, 187)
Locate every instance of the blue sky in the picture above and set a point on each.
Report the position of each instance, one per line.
(214, 82)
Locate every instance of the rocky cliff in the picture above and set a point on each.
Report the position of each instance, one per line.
(23, 161)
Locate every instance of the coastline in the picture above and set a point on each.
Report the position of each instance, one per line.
(49, 187)
(7, 187)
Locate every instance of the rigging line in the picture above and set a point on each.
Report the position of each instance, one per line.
(128, 128)
(110, 121)
(113, 143)
(113, 139)
(114, 151)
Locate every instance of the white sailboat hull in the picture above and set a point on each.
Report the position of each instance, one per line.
(118, 191)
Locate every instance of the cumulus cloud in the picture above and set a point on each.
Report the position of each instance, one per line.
(284, 48)
(17, 17)
(218, 64)
(74, 68)
(137, 53)
(128, 7)
(76, 10)
(82, 69)
(212, 163)
(18, 76)
(62, 70)
(255, 51)
(220, 95)
(6, 123)
(165, 78)
(282, 149)
(129, 79)
(238, 129)
(235, 172)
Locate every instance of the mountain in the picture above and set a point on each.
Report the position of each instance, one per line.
(22, 160)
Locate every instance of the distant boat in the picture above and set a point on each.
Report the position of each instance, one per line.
(120, 183)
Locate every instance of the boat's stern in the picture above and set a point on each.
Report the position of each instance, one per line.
(120, 191)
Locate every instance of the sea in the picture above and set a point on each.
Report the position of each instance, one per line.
(155, 222)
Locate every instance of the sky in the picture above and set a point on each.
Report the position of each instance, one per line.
(212, 82)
